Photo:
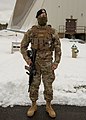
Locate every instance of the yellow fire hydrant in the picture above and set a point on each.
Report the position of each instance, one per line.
(74, 51)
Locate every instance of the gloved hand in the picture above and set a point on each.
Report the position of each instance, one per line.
(29, 62)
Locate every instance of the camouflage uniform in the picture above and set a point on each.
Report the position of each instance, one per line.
(45, 40)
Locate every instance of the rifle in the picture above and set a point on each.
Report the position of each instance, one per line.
(32, 68)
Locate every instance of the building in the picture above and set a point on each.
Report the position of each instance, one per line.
(59, 11)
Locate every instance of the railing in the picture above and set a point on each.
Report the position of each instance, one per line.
(79, 29)
(61, 29)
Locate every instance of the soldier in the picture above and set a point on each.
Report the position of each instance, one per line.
(45, 40)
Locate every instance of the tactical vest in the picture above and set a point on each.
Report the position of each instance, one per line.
(42, 37)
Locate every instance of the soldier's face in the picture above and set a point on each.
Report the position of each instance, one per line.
(42, 19)
(43, 14)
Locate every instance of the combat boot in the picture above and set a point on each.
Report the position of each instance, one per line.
(32, 109)
(50, 110)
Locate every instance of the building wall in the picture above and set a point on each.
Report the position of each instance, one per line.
(59, 10)
(76, 8)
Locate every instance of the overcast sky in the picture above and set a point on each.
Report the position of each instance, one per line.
(7, 4)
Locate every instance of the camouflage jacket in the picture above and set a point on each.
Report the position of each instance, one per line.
(45, 39)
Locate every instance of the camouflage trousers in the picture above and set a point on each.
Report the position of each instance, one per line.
(48, 76)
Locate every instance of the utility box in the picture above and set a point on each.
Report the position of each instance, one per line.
(71, 26)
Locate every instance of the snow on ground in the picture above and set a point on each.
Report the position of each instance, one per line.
(70, 83)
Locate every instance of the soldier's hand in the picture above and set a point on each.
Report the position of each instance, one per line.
(29, 62)
(54, 66)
